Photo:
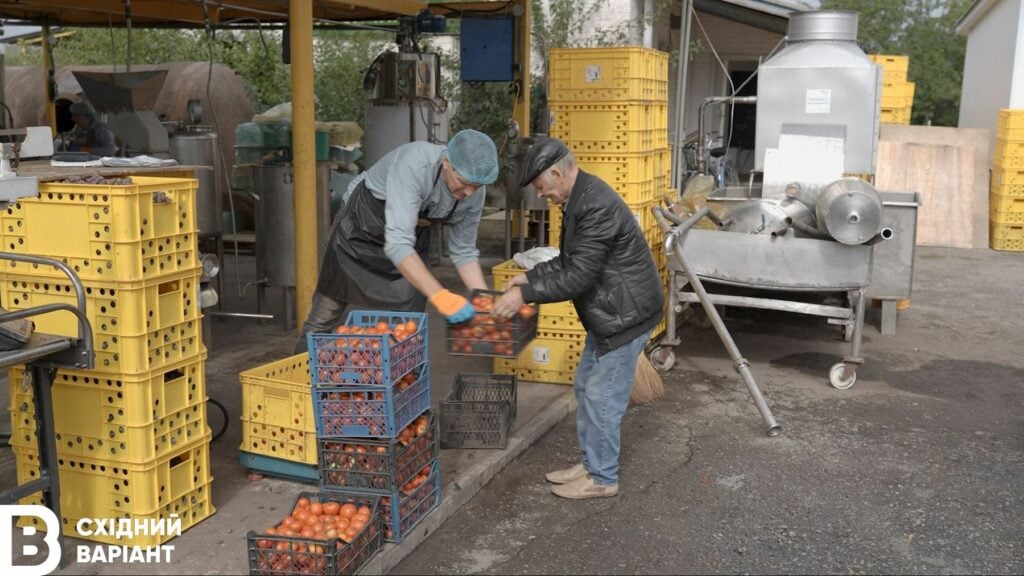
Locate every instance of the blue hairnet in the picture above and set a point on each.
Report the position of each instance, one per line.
(474, 156)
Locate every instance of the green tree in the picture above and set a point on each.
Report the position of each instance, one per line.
(925, 31)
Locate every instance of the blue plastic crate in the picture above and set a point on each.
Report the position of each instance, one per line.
(375, 466)
(374, 360)
(369, 412)
(408, 509)
(270, 466)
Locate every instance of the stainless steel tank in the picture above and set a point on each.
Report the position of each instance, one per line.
(197, 147)
(275, 221)
(850, 210)
(821, 77)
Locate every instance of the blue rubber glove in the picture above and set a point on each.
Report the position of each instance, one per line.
(465, 314)
(455, 308)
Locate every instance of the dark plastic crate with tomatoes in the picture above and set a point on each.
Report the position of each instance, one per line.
(486, 335)
(378, 466)
(369, 349)
(479, 411)
(324, 534)
(341, 411)
(411, 503)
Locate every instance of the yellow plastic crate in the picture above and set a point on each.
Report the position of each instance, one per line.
(1005, 177)
(611, 128)
(618, 169)
(898, 89)
(552, 357)
(137, 326)
(889, 101)
(96, 488)
(277, 410)
(1011, 119)
(1009, 237)
(1011, 134)
(131, 419)
(554, 226)
(1008, 154)
(1005, 209)
(895, 116)
(108, 233)
(663, 164)
(607, 74)
(894, 68)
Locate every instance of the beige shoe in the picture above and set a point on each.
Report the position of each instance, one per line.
(585, 487)
(567, 475)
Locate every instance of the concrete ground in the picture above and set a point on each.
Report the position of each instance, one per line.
(916, 468)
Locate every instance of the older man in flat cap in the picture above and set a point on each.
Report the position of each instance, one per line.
(375, 256)
(605, 267)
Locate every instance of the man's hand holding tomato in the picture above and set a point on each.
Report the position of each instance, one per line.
(511, 302)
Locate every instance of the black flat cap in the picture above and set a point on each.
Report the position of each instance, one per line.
(542, 156)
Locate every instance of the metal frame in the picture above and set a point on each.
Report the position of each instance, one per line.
(43, 354)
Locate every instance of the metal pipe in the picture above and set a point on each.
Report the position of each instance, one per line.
(684, 62)
(241, 315)
(648, 23)
(739, 362)
(701, 164)
(300, 19)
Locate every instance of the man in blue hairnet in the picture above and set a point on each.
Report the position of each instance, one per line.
(94, 136)
(376, 253)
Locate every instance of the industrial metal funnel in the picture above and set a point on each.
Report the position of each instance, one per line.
(115, 92)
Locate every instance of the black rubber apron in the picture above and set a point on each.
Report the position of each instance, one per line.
(356, 271)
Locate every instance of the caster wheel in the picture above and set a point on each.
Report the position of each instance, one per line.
(663, 358)
(835, 377)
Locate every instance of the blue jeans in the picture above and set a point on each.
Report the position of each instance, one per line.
(602, 387)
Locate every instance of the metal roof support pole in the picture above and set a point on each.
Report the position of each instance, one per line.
(521, 110)
(300, 26)
(49, 90)
(678, 163)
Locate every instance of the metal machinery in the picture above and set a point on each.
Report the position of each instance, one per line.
(811, 227)
(275, 230)
(404, 102)
(193, 143)
(127, 99)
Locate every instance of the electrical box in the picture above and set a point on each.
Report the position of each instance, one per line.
(487, 49)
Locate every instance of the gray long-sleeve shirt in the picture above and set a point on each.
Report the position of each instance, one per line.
(404, 179)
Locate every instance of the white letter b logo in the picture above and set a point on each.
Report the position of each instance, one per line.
(7, 513)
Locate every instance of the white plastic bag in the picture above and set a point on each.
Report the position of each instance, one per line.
(535, 256)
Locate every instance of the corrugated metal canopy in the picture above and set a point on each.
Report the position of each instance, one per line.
(190, 13)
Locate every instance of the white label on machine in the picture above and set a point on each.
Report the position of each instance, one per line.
(541, 355)
(592, 73)
(819, 101)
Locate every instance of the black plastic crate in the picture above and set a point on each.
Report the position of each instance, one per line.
(486, 335)
(279, 555)
(376, 466)
(479, 411)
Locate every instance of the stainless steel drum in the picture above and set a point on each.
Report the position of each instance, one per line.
(850, 211)
(275, 221)
(200, 148)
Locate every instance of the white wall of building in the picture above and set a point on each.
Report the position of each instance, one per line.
(993, 67)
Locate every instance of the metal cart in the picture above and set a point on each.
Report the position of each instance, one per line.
(786, 264)
(43, 354)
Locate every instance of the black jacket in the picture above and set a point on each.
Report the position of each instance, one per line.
(605, 267)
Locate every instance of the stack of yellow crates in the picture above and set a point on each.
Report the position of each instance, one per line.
(897, 93)
(610, 107)
(132, 436)
(1006, 192)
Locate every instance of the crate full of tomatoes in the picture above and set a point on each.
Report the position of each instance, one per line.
(324, 534)
(370, 349)
(411, 503)
(487, 335)
(368, 411)
(378, 466)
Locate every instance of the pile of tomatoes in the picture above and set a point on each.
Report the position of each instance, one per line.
(486, 335)
(355, 354)
(414, 503)
(337, 409)
(378, 465)
(305, 541)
